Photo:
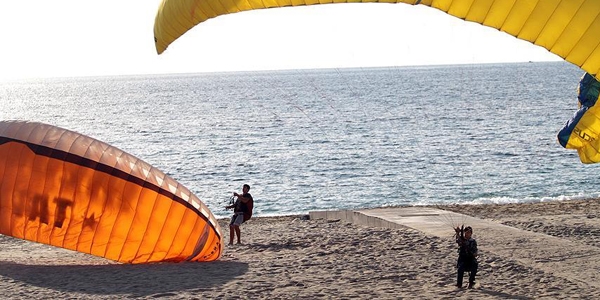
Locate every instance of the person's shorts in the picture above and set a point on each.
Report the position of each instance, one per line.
(237, 219)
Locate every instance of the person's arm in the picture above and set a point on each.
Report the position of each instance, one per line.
(234, 203)
(474, 248)
(241, 198)
(459, 239)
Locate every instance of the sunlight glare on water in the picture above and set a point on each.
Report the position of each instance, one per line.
(333, 139)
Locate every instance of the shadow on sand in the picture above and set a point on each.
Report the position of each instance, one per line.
(125, 279)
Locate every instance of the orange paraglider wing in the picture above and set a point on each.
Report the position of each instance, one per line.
(69, 190)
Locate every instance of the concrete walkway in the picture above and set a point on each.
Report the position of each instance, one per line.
(570, 260)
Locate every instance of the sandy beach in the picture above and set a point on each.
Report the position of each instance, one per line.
(288, 257)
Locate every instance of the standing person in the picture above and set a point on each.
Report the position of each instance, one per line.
(242, 212)
(467, 255)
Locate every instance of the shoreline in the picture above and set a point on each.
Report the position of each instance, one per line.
(285, 256)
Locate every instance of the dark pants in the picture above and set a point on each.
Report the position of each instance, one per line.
(468, 266)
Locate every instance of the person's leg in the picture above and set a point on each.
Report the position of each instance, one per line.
(239, 219)
(231, 231)
(460, 274)
(239, 234)
(472, 275)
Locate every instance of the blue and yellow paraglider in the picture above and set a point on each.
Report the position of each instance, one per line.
(582, 131)
(567, 28)
(69, 190)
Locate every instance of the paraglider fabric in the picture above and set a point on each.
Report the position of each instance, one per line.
(568, 28)
(581, 131)
(69, 190)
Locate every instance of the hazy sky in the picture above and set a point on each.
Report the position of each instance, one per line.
(42, 38)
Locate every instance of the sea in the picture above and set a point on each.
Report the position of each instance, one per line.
(328, 139)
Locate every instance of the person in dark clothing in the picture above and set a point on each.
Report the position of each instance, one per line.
(467, 255)
(242, 212)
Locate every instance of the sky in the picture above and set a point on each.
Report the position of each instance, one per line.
(66, 38)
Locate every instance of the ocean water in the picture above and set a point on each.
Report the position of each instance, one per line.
(337, 138)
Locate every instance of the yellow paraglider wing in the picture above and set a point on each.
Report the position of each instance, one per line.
(68, 190)
(567, 28)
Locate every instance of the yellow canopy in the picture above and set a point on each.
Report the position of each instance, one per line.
(567, 28)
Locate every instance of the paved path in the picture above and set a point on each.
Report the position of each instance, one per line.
(563, 258)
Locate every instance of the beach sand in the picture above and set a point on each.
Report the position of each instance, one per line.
(291, 258)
